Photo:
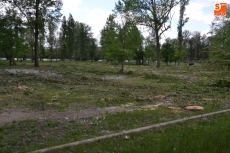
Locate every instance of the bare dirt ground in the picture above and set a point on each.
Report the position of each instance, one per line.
(10, 115)
(18, 114)
(40, 73)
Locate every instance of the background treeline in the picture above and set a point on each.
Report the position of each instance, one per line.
(65, 40)
(121, 40)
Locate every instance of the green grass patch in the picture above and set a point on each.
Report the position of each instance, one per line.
(205, 135)
(74, 86)
(30, 135)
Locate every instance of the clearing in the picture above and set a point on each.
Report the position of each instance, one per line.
(62, 102)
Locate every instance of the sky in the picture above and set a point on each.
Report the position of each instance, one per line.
(95, 12)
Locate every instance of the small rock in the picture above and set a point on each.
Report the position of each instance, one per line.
(126, 137)
(66, 118)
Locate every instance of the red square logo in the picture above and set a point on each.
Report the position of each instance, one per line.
(220, 9)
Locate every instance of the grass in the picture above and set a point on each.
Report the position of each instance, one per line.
(75, 86)
(29, 135)
(205, 135)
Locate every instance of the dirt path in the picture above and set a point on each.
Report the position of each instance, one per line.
(20, 114)
(15, 115)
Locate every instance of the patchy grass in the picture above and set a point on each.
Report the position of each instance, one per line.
(205, 135)
(74, 86)
(30, 135)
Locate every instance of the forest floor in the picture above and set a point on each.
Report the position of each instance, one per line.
(37, 104)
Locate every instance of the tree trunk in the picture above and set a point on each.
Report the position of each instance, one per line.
(122, 62)
(36, 33)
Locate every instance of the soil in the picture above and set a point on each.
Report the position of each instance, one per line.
(10, 115)
(40, 73)
(18, 114)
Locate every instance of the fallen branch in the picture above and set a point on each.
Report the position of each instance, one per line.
(87, 141)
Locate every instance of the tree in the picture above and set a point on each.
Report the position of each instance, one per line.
(76, 39)
(63, 38)
(220, 40)
(12, 41)
(110, 39)
(41, 43)
(123, 30)
(92, 49)
(30, 43)
(70, 36)
(51, 38)
(196, 45)
(36, 13)
(180, 25)
(129, 38)
(149, 49)
(139, 56)
(134, 44)
(150, 13)
(85, 35)
(120, 41)
(102, 42)
(167, 51)
(186, 37)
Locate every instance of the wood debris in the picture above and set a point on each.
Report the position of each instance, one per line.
(194, 108)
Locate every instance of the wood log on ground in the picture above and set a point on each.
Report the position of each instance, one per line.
(96, 139)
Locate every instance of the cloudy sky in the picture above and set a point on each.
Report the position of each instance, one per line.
(95, 13)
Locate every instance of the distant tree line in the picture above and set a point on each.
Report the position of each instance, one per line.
(76, 41)
(34, 29)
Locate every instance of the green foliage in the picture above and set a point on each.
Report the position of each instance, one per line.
(120, 41)
(181, 23)
(220, 41)
(167, 52)
(70, 36)
(110, 40)
(12, 32)
(76, 40)
(149, 50)
(93, 50)
(134, 43)
(37, 13)
(63, 38)
(84, 42)
(51, 38)
(152, 14)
